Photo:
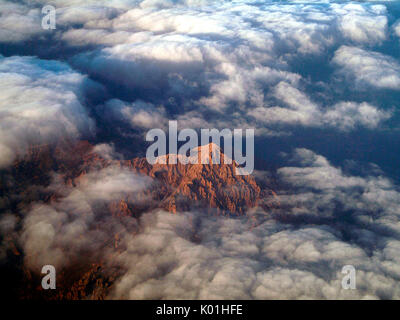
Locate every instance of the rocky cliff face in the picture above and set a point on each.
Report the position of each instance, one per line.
(213, 186)
(176, 187)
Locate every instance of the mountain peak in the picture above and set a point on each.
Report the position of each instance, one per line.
(209, 180)
(211, 147)
(209, 153)
(175, 187)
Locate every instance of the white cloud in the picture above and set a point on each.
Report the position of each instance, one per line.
(40, 102)
(85, 13)
(232, 261)
(139, 114)
(18, 22)
(107, 151)
(229, 56)
(301, 110)
(319, 187)
(61, 230)
(368, 68)
(347, 115)
(362, 24)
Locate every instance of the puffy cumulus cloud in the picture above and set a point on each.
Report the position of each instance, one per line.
(368, 68)
(192, 256)
(140, 115)
(362, 24)
(171, 65)
(22, 21)
(186, 61)
(244, 86)
(207, 59)
(301, 110)
(80, 15)
(84, 37)
(174, 3)
(40, 102)
(226, 58)
(75, 224)
(18, 22)
(248, 92)
(120, 4)
(309, 245)
(306, 28)
(322, 190)
(125, 4)
(293, 28)
(107, 151)
(346, 115)
(396, 28)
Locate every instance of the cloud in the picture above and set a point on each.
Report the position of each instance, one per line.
(301, 110)
(139, 115)
(228, 60)
(322, 190)
(78, 221)
(80, 15)
(346, 115)
(396, 28)
(223, 64)
(362, 24)
(274, 260)
(367, 68)
(84, 37)
(107, 151)
(230, 261)
(193, 255)
(41, 102)
(120, 4)
(18, 22)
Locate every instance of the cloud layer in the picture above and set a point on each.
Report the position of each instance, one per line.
(41, 102)
(116, 68)
(205, 60)
(368, 69)
(192, 255)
